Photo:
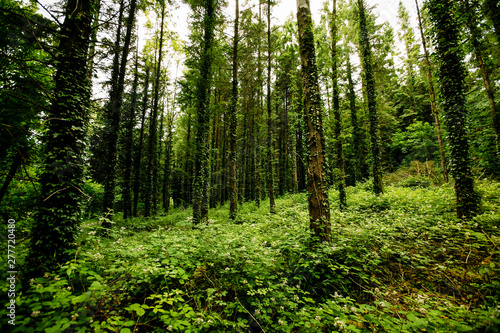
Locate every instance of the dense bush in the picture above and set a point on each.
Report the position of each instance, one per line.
(399, 262)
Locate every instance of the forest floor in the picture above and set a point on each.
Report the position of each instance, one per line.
(401, 262)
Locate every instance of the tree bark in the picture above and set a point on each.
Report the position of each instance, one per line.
(452, 79)
(150, 205)
(113, 125)
(367, 60)
(59, 214)
(319, 208)
(138, 156)
(340, 176)
(233, 191)
(270, 155)
(127, 172)
(202, 162)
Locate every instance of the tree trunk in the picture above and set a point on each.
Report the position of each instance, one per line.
(138, 156)
(367, 60)
(202, 162)
(340, 176)
(270, 155)
(127, 172)
(433, 98)
(113, 125)
(59, 212)
(319, 208)
(233, 191)
(452, 79)
(150, 206)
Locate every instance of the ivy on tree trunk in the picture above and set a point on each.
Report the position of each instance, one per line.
(319, 207)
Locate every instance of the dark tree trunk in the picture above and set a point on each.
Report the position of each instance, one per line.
(270, 155)
(233, 191)
(150, 205)
(58, 215)
(113, 124)
(319, 208)
(452, 79)
(138, 156)
(340, 176)
(127, 172)
(367, 60)
(202, 162)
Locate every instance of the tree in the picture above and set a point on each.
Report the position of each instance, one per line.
(433, 97)
(202, 162)
(58, 215)
(138, 154)
(150, 205)
(319, 208)
(270, 154)
(451, 77)
(115, 109)
(130, 121)
(340, 177)
(367, 60)
(233, 197)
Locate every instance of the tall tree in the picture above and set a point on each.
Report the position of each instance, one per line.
(138, 154)
(367, 61)
(202, 162)
(130, 122)
(319, 208)
(340, 174)
(114, 116)
(58, 216)
(233, 193)
(452, 76)
(432, 95)
(270, 154)
(150, 204)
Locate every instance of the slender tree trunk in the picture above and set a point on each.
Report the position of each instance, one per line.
(138, 156)
(452, 79)
(202, 162)
(256, 128)
(319, 208)
(127, 172)
(367, 60)
(113, 125)
(59, 213)
(433, 98)
(188, 167)
(150, 206)
(233, 191)
(336, 110)
(270, 155)
(356, 137)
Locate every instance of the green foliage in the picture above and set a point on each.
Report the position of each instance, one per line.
(398, 262)
(417, 143)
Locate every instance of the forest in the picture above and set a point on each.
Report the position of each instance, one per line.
(218, 166)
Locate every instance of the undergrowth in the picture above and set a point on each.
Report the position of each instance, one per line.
(400, 262)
